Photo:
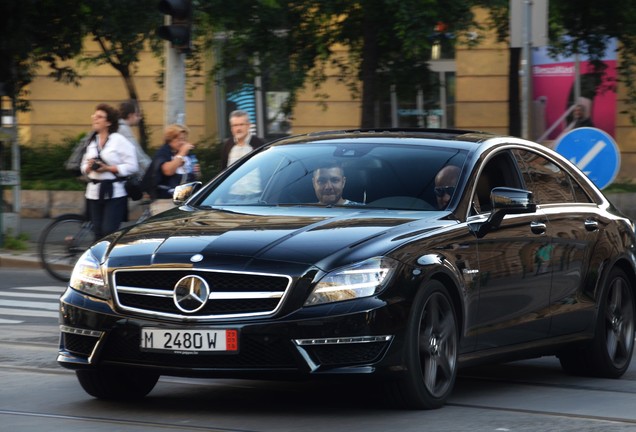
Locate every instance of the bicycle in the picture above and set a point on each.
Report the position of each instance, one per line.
(66, 238)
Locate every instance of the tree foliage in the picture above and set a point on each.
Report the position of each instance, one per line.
(388, 42)
(50, 33)
(35, 33)
(122, 29)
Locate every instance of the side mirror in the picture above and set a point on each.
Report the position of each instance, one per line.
(505, 200)
(183, 192)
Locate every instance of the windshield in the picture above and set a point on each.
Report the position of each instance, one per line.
(373, 175)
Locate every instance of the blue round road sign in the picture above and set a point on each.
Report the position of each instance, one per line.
(595, 153)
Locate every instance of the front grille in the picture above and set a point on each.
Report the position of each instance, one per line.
(150, 292)
(122, 346)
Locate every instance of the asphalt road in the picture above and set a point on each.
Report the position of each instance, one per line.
(36, 394)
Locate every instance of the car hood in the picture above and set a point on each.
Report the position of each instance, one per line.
(280, 234)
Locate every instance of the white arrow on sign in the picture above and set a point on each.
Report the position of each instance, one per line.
(589, 156)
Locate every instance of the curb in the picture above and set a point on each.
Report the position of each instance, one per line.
(19, 261)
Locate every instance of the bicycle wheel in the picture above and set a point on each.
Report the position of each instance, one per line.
(61, 244)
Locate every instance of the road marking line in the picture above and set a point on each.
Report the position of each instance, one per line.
(49, 288)
(28, 313)
(7, 321)
(30, 305)
(30, 295)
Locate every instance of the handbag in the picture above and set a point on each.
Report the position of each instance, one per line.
(133, 188)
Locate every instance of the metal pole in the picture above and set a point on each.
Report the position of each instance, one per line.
(526, 63)
(394, 107)
(15, 166)
(174, 106)
(577, 78)
(258, 95)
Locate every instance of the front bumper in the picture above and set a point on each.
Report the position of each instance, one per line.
(353, 338)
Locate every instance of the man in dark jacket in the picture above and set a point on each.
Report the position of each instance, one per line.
(242, 141)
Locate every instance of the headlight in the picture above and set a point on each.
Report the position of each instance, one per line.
(87, 277)
(358, 280)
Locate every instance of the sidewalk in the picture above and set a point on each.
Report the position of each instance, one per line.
(25, 258)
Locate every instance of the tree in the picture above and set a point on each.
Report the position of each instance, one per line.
(389, 41)
(122, 29)
(35, 33)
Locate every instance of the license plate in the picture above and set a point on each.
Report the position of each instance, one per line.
(188, 341)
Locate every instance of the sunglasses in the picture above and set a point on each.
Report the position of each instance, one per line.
(444, 190)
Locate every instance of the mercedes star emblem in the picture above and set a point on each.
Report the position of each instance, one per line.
(191, 293)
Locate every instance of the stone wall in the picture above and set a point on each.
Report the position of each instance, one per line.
(50, 204)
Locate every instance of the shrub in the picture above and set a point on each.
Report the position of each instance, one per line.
(42, 164)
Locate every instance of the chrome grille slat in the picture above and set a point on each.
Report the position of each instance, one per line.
(149, 292)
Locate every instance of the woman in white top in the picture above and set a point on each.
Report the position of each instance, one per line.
(108, 160)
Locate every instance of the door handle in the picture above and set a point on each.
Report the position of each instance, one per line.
(538, 227)
(591, 225)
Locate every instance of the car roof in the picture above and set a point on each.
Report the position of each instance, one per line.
(428, 136)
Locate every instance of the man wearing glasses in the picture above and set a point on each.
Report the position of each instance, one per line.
(241, 142)
(445, 182)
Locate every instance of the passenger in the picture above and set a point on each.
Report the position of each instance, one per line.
(445, 182)
(329, 182)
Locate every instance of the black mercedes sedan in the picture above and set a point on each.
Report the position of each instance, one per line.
(393, 255)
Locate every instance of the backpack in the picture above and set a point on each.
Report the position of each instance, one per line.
(150, 179)
(74, 161)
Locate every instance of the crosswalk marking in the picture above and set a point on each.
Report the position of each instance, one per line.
(29, 304)
(49, 288)
(29, 313)
(31, 295)
(34, 302)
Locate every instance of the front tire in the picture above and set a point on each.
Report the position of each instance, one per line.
(610, 352)
(117, 384)
(431, 351)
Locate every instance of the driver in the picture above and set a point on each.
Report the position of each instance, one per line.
(329, 182)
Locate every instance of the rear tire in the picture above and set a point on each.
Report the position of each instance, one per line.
(62, 243)
(610, 352)
(117, 384)
(431, 352)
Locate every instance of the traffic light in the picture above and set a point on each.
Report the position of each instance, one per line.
(178, 32)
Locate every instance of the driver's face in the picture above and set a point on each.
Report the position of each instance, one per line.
(328, 185)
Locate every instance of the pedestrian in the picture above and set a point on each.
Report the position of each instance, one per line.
(173, 164)
(241, 142)
(580, 118)
(129, 116)
(108, 160)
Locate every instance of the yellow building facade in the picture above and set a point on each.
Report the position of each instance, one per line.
(480, 102)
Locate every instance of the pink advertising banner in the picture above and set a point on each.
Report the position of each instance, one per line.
(553, 83)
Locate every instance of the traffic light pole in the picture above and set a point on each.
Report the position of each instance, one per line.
(176, 31)
(174, 86)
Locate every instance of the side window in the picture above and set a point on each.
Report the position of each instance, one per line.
(499, 171)
(549, 183)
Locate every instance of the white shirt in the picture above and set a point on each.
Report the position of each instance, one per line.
(238, 151)
(117, 151)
